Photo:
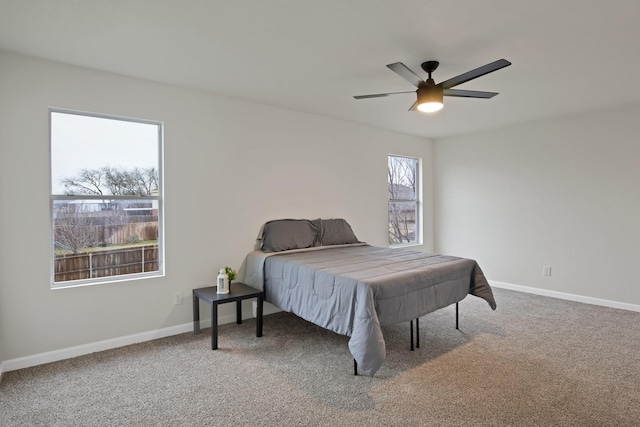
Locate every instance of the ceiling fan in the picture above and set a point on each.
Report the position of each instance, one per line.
(430, 94)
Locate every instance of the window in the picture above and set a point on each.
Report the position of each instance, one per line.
(106, 198)
(404, 200)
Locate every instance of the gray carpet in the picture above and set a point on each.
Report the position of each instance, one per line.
(536, 361)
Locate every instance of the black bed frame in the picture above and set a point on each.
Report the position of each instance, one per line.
(355, 364)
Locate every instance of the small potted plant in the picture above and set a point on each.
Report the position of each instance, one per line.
(231, 273)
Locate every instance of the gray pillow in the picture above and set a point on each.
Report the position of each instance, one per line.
(337, 232)
(285, 234)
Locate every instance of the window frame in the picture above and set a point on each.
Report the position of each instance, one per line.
(418, 240)
(158, 198)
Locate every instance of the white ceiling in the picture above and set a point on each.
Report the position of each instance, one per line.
(569, 56)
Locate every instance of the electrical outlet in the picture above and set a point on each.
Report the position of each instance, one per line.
(546, 270)
(177, 298)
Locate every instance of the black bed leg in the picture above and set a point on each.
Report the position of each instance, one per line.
(417, 332)
(355, 367)
(457, 316)
(411, 329)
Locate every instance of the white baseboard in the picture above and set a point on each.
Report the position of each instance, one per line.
(566, 296)
(80, 350)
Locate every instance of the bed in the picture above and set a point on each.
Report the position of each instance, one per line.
(319, 271)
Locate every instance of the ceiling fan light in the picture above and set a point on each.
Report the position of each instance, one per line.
(430, 107)
(430, 99)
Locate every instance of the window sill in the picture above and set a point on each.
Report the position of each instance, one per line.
(405, 245)
(105, 280)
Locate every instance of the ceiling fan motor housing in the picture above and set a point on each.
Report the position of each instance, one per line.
(430, 92)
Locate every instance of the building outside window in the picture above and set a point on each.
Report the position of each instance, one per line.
(404, 200)
(106, 198)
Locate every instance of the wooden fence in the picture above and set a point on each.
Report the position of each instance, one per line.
(110, 262)
(98, 231)
(120, 234)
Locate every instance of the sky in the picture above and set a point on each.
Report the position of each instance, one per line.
(87, 142)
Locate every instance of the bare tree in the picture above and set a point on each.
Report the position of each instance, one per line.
(403, 199)
(74, 229)
(149, 180)
(88, 181)
(108, 180)
(134, 182)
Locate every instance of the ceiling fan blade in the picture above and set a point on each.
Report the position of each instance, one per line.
(403, 71)
(474, 74)
(414, 107)
(469, 93)
(380, 95)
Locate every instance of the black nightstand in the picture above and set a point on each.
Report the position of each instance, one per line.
(238, 292)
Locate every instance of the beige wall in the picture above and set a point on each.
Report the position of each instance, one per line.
(563, 193)
(230, 165)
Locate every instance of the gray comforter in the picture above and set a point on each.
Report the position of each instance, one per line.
(353, 289)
